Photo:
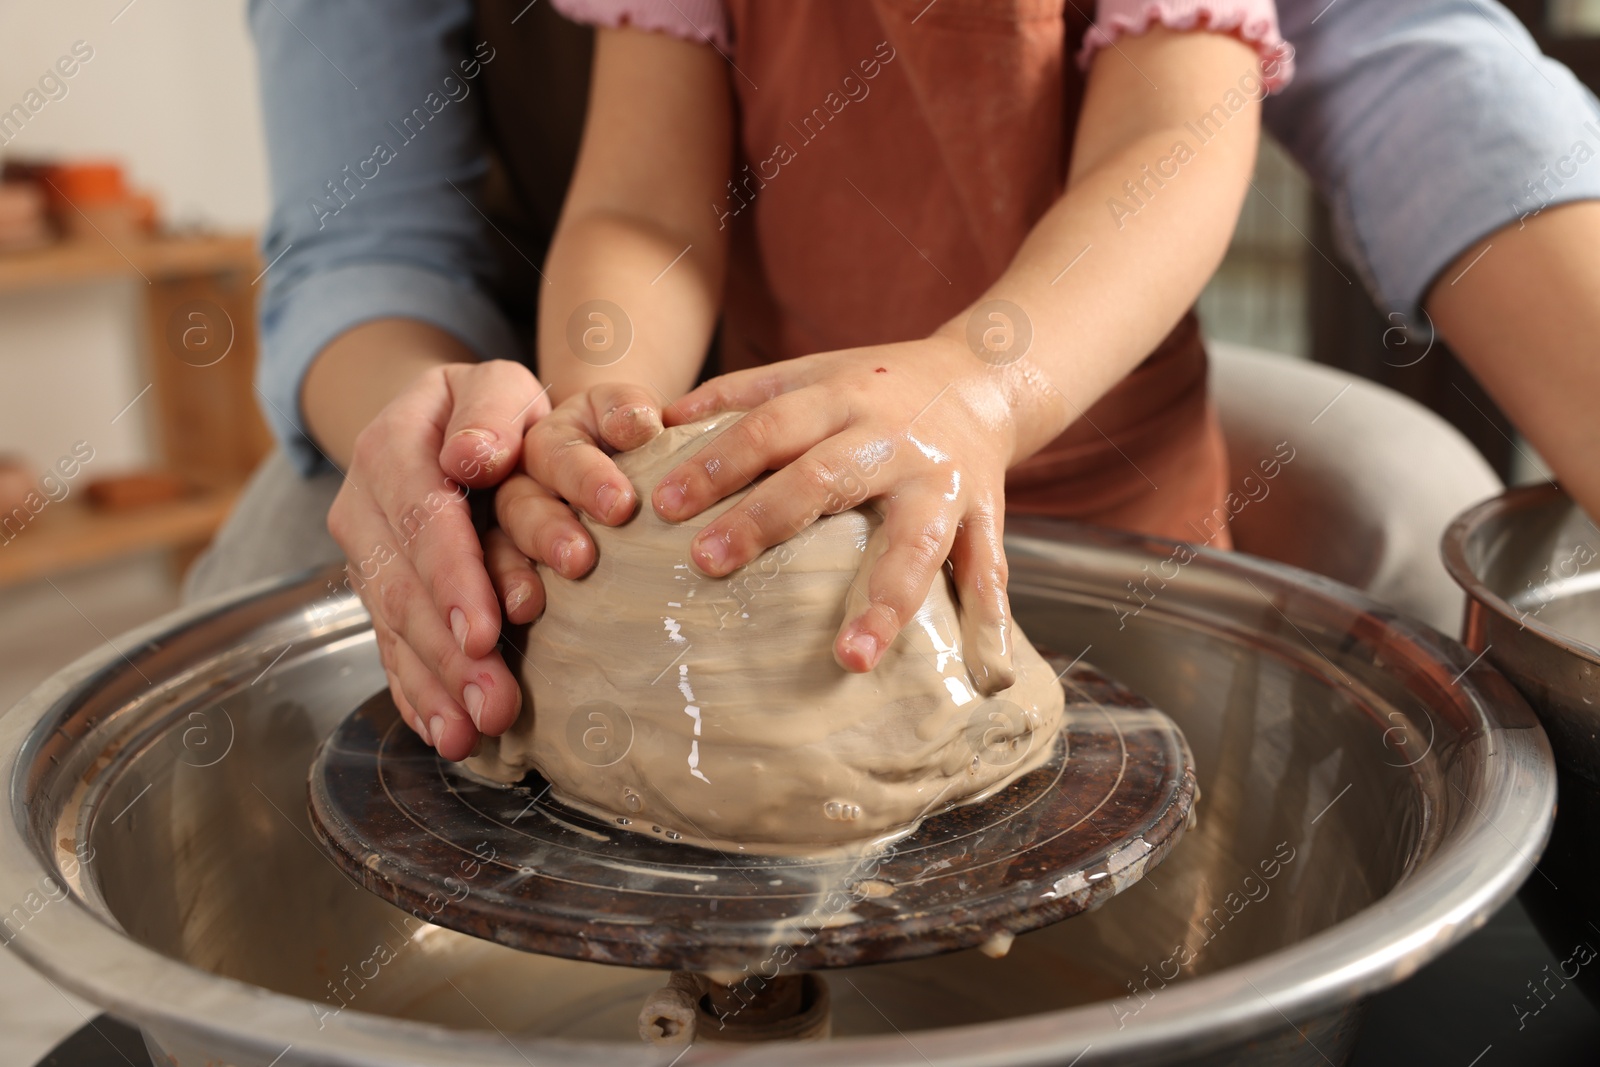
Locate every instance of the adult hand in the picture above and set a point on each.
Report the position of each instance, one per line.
(923, 428)
(434, 590)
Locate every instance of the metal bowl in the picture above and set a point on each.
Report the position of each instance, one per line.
(1369, 797)
(1529, 561)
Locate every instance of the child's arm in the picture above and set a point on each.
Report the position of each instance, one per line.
(634, 284)
(929, 426)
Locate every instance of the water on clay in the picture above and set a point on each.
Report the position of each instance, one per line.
(742, 731)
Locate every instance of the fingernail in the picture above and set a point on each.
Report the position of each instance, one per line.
(564, 552)
(605, 498)
(485, 453)
(712, 553)
(518, 596)
(670, 497)
(483, 436)
(640, 417)
(436, 729)
(458, 626)
(472, 697)
(865, 645)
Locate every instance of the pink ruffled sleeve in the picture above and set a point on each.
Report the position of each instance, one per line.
(692, 20)
(1255, 22)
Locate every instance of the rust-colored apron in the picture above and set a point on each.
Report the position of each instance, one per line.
(892, 156)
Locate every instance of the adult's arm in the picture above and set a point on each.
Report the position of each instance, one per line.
(1522, 310)
(381, 352)
(374, 144)
(1462, 166)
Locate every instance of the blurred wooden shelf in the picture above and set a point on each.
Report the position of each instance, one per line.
(202, 409)
(70, 534)
(68, 262)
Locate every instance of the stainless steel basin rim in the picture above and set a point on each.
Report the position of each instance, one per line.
(1457, 542)
(77, 945)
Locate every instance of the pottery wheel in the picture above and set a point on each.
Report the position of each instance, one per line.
(513, 865)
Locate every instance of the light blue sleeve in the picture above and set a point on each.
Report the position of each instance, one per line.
(375, 143)
(1427, 125)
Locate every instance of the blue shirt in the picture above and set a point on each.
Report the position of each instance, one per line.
(1426, 124)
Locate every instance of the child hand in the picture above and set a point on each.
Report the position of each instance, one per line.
(923, 427)
(566, 467)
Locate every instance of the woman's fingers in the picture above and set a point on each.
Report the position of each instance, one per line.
(739, 391)
(408, 714)
(914, 541)
(396, 462)
(438, 720)
(519, 586)
(461, 646)
(978, 559)
(625, 415)
(479, 688)
(492, 405)
(773, 435)
(420, 699)
(826, 480)
(403, 522)
(562, 453)
(541, 527)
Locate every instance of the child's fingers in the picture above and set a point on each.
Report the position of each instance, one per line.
(773, 435)
(979, 560)
(541, 527)
(824, 481)
(918, 529)
(738, 391)
(627, 415)
(561, 453)
(521, 591)
(491, 405)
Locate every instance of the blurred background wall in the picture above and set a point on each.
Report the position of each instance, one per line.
(170, 93)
